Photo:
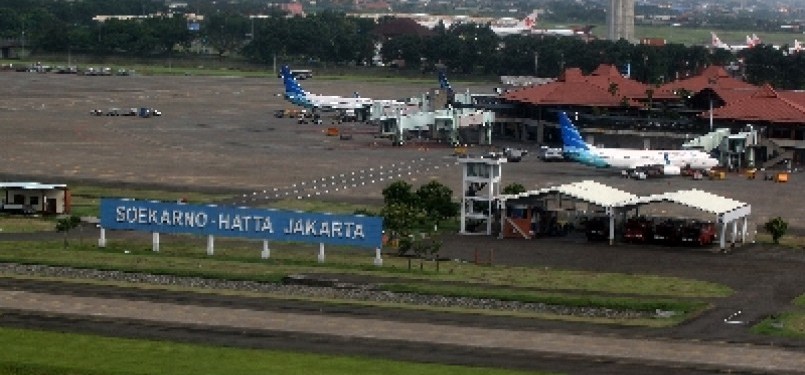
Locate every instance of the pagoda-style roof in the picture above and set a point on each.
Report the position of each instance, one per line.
(604, 87)
(765, 104)
(714, 77)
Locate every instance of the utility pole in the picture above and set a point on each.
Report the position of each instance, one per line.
(536, 64)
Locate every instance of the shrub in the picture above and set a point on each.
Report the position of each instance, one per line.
(777, 228)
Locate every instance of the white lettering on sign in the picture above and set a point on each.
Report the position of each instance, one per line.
(245, 223)
(155, 217)
(330, 229)
(148, 216)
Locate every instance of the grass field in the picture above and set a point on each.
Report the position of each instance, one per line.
(239, 260)
(20, 224)
(29, 352)
(691, 36)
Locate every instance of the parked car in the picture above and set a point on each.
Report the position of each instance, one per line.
(551, 154)
(514, 154)
(700, 233)
(638, 229)
(597, 228)
(668, 231)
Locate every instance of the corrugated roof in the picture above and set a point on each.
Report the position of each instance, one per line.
(695, 198)
(588, 191)
(610, 197)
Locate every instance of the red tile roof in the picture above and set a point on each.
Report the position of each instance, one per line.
(765, 104)
(574, 88)
(715, 77)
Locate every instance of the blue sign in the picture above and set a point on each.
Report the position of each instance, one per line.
(229, 221)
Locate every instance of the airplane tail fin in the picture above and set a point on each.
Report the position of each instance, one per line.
(571, 138)
(292, 86)
(715, 41)
(529, 21)
(797, 45)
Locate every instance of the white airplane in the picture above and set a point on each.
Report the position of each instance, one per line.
(716, 42)
(525, 26)
(576, 31)
(294, 93)
(671, 161)
(753, 40)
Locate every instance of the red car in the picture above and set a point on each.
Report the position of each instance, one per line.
(700, 233)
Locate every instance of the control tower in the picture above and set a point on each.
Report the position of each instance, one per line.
(620, 20)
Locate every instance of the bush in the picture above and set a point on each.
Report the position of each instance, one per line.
(777, 228)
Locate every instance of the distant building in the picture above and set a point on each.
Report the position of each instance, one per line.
(293, 9)
(34, 198)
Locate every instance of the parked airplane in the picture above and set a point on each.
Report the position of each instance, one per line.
(525, 26)
(716, 42)
(753, 40)
(575, 31)
(671, 161)
(294, 93)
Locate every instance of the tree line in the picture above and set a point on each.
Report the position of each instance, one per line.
(335, 38)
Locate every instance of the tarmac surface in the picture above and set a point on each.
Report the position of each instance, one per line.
(219, 134)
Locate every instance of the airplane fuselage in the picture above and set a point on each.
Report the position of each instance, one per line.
(631, 159)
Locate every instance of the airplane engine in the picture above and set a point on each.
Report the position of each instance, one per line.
(671, 170)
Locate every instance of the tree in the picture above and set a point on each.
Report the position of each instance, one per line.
(399, 192)
(436, 200)
(777, 227)
(513, 188)
(169, 32)
(66, 224)
(400, 220)
(226, 32)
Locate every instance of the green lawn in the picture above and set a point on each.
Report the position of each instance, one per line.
(23, 224)
(239, 260)
(29, 352)
(788, 324)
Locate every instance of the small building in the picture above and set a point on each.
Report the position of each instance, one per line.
(34, 198)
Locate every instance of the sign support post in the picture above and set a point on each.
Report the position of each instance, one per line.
(378, 259)
(102, 239)
(266, 250)
(210, 245)
(155, 242)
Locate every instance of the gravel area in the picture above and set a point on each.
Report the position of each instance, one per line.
(299, 286)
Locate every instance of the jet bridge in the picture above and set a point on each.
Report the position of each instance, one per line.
(451, 125)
